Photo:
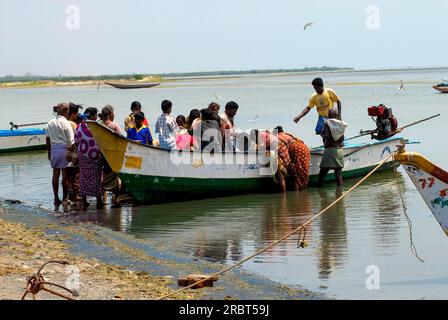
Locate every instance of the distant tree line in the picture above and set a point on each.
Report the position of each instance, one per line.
(60, 78)
(243, 72)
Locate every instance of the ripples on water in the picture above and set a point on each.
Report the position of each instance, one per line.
(366, 228)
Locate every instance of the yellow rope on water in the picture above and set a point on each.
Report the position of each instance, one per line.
(302, 226)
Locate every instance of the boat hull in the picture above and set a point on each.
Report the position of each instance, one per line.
(152, 174)
(431, 182)
(132, 85)
(22, 140)
(441, 89)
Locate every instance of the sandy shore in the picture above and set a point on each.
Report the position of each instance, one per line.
(112, 265)
(24, 249)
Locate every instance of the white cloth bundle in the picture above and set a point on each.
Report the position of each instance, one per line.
(337, 128)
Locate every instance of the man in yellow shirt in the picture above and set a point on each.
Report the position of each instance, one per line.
(324, 100)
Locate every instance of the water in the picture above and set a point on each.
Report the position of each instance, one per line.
(368, 228)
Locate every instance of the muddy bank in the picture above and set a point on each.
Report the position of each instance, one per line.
(111, 265)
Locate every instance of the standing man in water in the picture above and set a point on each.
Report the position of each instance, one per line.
(60, 135)
(324, 100)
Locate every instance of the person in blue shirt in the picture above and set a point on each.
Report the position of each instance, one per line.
(140, 132)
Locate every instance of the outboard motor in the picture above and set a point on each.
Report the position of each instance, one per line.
(386, 123)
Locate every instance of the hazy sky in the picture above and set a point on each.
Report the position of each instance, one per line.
(139, 36)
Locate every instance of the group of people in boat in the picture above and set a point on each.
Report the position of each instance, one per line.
(74, 153)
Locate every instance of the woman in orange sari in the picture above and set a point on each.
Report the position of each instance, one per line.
(295, 156)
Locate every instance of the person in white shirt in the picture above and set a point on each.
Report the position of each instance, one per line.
(60, 135)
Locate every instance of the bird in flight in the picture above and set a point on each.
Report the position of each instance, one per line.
(216, 96)
(309, 24)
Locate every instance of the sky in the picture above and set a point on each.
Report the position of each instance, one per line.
(48, 37)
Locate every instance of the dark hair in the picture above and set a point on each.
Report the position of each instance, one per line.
(74, 108)
(139, 116)
(90, 112)
(279, 129)
(194, 114)
(232, 105)
(180, 118)
(136, 105)
(166, 105)
(106, 112)
(206, 114)
(317, 82)
(214, 105)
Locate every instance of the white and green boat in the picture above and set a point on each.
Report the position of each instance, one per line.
(154, 174)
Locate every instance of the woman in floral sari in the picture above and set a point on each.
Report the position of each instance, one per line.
(90, 164)
(298, 158)
(293, 158)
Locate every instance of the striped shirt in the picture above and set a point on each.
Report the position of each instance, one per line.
(166, 128)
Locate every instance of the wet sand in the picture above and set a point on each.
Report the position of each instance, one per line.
(111, 265)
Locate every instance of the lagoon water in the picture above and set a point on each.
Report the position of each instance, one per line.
(366, 231)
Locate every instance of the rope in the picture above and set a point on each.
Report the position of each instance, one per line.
(405, 210)
(302, 226)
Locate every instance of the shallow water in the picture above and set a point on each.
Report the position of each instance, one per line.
(366, 228)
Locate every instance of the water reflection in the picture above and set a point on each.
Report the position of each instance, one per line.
(332, 248)
(387, 210)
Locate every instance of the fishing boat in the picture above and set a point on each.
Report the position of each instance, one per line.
(153, 174)
(22, 140)
(431, 182)
(132, 85)
(442, 87)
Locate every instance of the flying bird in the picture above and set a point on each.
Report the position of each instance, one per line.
(309, 24)
(216, 96)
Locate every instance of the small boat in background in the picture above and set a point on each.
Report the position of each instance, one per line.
(442, 87)
(22, 140)
(132, 85)
(431, 182)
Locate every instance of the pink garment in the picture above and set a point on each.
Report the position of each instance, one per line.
(183, 140)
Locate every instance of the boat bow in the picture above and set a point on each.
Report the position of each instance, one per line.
(431, 182)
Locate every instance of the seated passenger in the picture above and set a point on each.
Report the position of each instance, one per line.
(140, 132)
(210, 130)
(183, 138)
(129, 122)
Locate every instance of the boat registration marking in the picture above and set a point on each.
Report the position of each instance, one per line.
(133, 162)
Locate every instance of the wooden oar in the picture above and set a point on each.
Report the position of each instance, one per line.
(365, 133)
(17, 126)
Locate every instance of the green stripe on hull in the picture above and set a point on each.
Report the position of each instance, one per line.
(24, 149)
(152, 188)
(162, 189)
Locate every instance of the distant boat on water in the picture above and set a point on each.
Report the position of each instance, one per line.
(442, 87)
(132, 85)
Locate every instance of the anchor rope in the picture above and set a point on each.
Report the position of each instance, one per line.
(289, 234)
(408, 219)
